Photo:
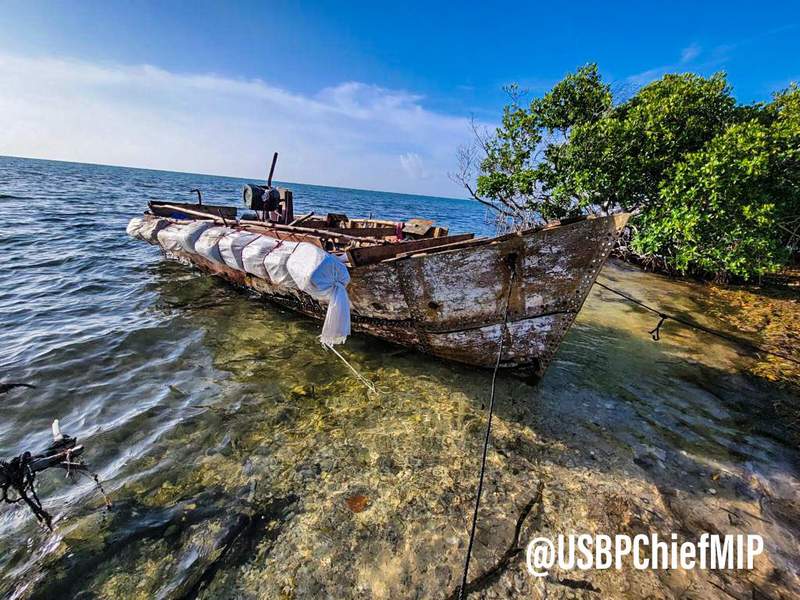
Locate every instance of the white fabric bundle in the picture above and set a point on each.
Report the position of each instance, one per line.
(150, 228)
(134, 226)
(168, 238)
(191, 232)
(325, 279)
(232, 245)
(275, 264)
(254, 254)
(207, 245)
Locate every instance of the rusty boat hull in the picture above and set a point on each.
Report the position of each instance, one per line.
(450, 302)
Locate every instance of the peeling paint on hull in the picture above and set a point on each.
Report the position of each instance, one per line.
(450, 304)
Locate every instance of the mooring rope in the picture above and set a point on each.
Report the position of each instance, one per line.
(656, 333)
(487, 438)
(367, 383)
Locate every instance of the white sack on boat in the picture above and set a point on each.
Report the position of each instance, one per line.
(254, 254)
(275, 264)
(168, 238)
(150, 228)
(134, 226)
(324, 278)
(232, 245)
(191, 232)
(207, 245)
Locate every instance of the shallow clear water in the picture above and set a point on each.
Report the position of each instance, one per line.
(244, 461)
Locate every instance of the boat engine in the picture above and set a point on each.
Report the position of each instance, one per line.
(261, 198)
(273, 204)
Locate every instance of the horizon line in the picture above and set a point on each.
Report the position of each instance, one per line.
(333, 187)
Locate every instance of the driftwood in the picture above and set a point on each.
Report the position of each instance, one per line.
(5, 387)
(41, 462)
(19, 473)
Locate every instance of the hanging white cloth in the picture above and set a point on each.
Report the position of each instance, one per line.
(324, 278)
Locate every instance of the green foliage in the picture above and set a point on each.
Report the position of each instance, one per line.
(717, 211)
(622, 159)
(522, 167)
(715, 186)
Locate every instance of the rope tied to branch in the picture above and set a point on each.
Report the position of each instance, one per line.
(729, 338)
(656, 333)
(19, 473)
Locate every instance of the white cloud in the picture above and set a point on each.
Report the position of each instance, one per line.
(413, 165)
(348, 135)
(689, 53)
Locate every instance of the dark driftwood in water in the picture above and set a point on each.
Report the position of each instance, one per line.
(494, 573)
(5, 387)
(18, 475)
(42, 462)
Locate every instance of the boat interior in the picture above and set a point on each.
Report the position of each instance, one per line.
(359, 241)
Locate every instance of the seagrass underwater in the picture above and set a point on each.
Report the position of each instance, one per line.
(234, 448)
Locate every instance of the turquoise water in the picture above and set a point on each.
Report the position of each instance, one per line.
(243, 461)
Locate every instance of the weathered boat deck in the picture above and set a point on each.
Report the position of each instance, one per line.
(448, 299)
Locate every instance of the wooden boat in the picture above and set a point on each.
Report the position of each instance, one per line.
(416, 285)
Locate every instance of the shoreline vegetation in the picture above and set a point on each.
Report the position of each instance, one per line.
(713, 186)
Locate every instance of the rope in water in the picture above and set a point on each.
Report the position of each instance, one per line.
(656, 333)
(367, 383)
(486, 440)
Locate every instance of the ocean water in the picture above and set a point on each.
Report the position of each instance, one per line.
(243, 461)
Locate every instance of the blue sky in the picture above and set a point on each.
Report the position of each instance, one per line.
(353, 94)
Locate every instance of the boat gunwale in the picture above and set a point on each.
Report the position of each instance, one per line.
(470, 243)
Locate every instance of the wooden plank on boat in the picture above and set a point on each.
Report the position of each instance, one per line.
(444, 247)
(301, 219)
(278, 227)
(165, 209)
(326, 233)
(417, 226)
(373, 254)
(286, 236)
(364, 231)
